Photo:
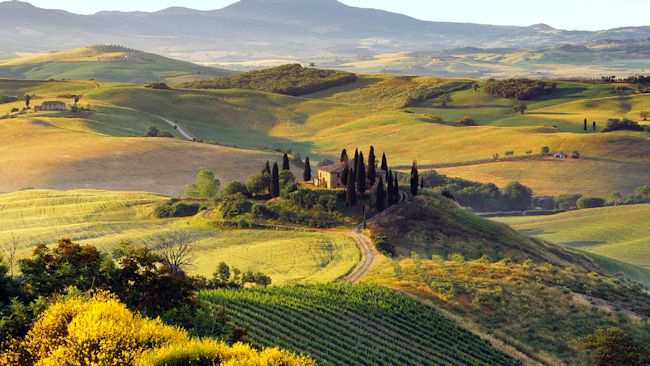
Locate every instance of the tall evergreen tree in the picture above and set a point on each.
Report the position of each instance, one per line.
(396, 188)
(351, 193)
(356, 159)
(585, 125)
(594, 126)
(372, 167)
(380, 195)
(345, 175)
(415, 178)
(384, 162)
(361, 177)
(275, 181)
(28, 99)
(285, 162)
(306, 175)
(344, 155)
(267, 168)
(389, 190)
(421, 182)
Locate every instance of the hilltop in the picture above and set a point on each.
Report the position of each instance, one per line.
(105, 63)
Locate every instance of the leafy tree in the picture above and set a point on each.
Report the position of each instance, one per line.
(476, 86)
(285, 162)
(521, 89)
(384, 162)
(372, 167)
(545, 150)
(267, 168)
(517, 197)
(306, 175)
(415, 178)
(235, 205)
(286, 178)
(28, 100)
(568, 201)
(152, 131)
(614, 124)
(590, 202)
(613, 346)
(351, 193)
(222, 274)
(235, 187)
(444, 100)
(259, 185)
(644, 115)
(520, 107)
(344, 155)
(275, 181)
(380, 195)
(206, 186)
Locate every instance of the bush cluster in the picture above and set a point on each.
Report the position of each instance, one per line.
(520, 89)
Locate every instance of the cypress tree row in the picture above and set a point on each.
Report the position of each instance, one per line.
(390, 190)
(351, 192)
(285, 162)
(344, 155)
(380, 195)
(384, 162)
(275, 181)
(372, 167)
(306, 175)
(267, 168)
(415, 178)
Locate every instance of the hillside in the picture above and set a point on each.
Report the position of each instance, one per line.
(607, 231)
(105, 219)
(287, 79)
(353, 324)
(105, 63)
(534, 296)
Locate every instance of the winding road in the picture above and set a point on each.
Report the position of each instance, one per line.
(178, 128)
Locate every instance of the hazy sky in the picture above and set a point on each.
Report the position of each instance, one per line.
(566, 14)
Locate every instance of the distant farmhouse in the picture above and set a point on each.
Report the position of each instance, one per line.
(329, 176)
(50, 106)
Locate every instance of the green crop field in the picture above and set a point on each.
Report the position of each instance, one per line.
(107, 64)
(618, 232)
(105, 219)
(354, 324)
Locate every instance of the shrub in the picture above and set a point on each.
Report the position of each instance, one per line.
(206, 186)
(385, 246)
(234, 188)
(14, 110)
(176, 209)
(518, 197)
(263, 212)
(568, 201)
(158, 85)
(614, 124)
(235, 205)
(590, 202)
(467, 121)
(521, 89)
(259, 185)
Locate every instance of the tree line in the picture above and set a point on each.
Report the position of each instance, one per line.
(520, 89)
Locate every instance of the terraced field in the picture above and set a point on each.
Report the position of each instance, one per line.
(105, 219)
(354, 324)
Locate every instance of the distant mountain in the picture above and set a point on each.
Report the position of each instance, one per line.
(251, 29)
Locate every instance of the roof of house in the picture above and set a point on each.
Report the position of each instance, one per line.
(53, 103)
(338, 167)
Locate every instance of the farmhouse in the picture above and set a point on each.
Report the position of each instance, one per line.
(561, 156)
(329, 176)
(50, 106)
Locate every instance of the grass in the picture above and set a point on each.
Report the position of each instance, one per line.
(353, 324)
(111, 65)
(610, 231)
(105, 219)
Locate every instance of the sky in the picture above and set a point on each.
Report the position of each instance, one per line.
(564, 14)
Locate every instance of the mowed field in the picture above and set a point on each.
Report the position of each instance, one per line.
(105, 219)
(619, 232)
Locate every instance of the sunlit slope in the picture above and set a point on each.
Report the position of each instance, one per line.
(105, 219)
(107, 64)
(36, 154)
(618, 232)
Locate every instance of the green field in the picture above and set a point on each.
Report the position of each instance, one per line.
(354, 324)
(618, 232)
(105, 219)
(105, 64)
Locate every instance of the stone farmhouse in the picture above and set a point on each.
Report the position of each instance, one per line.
(50, 106)
(329, 176)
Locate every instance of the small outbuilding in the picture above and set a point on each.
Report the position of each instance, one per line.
(51, 106)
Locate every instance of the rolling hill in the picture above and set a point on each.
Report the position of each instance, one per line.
(105, 63)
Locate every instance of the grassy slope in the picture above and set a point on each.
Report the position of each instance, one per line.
(354, 325)
(106, 218)
(90, 63)
(616, 232)
(541, 308)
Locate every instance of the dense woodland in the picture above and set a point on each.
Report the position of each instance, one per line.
(292, 79)
(520, 89)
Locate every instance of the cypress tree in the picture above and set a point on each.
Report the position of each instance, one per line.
(361, 176)
(389, 190)
(396, 189)
(594, 126)
(306, 175)
(415, 178)
(345, 175)
(381, 195)
(356, 160)
(585, 125)
(344, 155)
(285, 162)
(384, 162)
(372, 167)
(275, 181)
(422, 183)
(267, 168)
(351, 193)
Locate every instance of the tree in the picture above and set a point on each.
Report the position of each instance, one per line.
(545, 150)
(222, 274)
(267, 168)
(590, 202)
(372, 167)
(344, 155)
(445, 100)
(384, 162)
(476, 86)
(520, 107)
(644, 115)
(275, 181)
(259, 185)
(415, 179)
(356, 160)
(306, 174)
(206, 186)
(594, 126)
(9, 253)
(614, 346)
(361, 175)
(28, 100)
(380, 195)
(176, 251)
(286, 179)
(285, 162)
(152, 131)
(345, 175)
(517, 197)
(389, 188)
(422, 183)
(351, 193)
(235, 187)
(585, 127)
(396, 189)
